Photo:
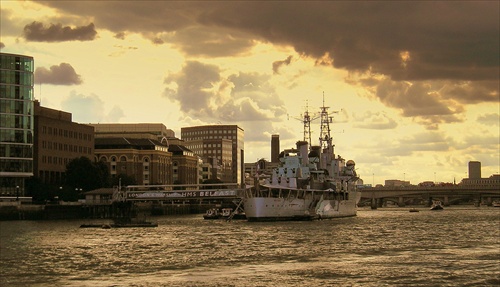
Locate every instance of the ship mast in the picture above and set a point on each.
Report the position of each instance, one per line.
(325, 139)
(306, 119)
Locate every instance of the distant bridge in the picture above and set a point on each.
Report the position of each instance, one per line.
(403, 195)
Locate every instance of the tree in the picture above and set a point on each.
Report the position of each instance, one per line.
(104, 175)
(82, 173)
(39, 191)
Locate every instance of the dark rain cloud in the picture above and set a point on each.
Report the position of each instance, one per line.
(415, 45)
(277, 64)
(440, 40)
(211, 41)
(63, 74)
(38, 32)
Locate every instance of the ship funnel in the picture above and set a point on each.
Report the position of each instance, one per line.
(303, 148)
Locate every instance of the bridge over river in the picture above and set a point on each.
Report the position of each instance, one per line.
(452, 194)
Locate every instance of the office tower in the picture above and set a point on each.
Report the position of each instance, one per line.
(474, 169)
(16, 125)
(225, 143)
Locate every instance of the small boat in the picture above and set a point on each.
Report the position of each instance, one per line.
(437, 205)
(212, 213)
(496, 203)
(225, 213)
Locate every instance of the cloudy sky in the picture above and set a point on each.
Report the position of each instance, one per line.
(415, 85)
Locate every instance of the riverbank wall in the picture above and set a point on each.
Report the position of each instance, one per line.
(18, 211)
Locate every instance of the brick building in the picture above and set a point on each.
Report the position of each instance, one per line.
(148, 161)
(58, 140)
(184, 165)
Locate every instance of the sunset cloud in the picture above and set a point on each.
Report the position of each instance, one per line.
(374, 120)
(62, 74)
(38, 32)
(90, 109)
(417, 42)
(414, 82)
(202, 91)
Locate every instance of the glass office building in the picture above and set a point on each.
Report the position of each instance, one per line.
(16, 123)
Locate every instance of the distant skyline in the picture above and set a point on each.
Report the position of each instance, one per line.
(415, 83)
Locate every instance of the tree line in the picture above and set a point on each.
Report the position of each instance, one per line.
(81, 175)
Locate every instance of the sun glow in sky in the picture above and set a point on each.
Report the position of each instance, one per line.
(415, 85)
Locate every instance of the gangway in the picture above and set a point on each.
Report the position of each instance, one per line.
(238, 209)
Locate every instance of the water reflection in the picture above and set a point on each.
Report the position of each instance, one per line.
(381, 247)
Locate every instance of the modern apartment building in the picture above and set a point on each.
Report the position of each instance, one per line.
(16, 122)
(58, 140)
(213, 141)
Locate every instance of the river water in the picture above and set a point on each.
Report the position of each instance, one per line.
(459, 246)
